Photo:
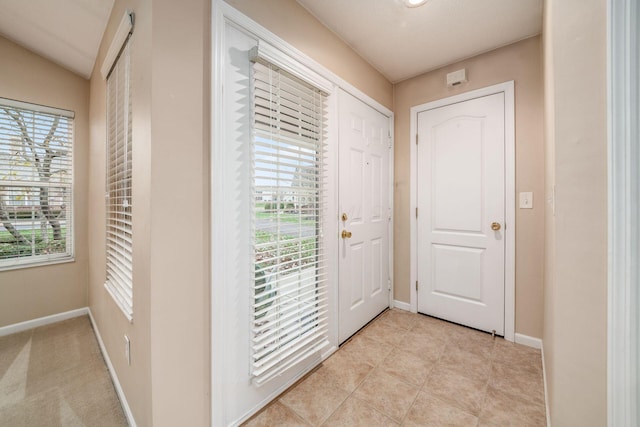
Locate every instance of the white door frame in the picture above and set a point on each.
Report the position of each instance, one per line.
(510, 195)
(623, 367)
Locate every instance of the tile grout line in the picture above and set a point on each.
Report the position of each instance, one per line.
(426, 380)
(352, 391)
(378, 366)
(486, 387)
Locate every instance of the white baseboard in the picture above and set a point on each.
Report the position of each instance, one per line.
(528, 341)
(114, 376)
(546, 390)
(401, 305)
(41, 321)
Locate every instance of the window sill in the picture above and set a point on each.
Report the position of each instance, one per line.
(37, 263)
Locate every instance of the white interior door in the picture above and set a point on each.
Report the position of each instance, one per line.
(461, 212)
(364, 214)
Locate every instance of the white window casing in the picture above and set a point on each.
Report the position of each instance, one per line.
(290, 295)
(125, 28)
(36, 184)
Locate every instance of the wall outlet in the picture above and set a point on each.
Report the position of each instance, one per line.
(526, 200)
(127, 350)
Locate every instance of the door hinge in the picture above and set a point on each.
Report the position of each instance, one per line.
(390, 144)
(416, 286)
(416, 139)
(416, 212)
(389, 285)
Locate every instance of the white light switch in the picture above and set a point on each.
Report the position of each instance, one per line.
(526, 200)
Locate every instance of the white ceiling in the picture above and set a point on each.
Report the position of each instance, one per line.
(403, 42)
(68, 32)
(400, 42)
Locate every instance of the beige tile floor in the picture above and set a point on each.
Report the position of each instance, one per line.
(413, 370)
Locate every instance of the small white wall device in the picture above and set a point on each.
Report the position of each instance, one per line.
(456, 78)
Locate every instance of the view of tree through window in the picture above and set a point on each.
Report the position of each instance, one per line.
(35, 183)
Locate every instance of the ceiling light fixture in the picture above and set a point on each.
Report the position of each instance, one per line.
(414, 3)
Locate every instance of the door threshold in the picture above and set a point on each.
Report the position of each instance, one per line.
(365, 325)
(459, 324)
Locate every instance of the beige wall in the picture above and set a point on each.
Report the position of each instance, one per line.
(29, 293)
(520, 62)
(135, 379)
(168, 380)
(180, 332)
(290, 21)
(575, 323)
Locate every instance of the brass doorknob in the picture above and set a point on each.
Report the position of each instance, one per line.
(346, 234)
(495, 226)
(344, 217)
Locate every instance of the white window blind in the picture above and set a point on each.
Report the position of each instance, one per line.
(36, 174)
(289, 303)
(119, 237)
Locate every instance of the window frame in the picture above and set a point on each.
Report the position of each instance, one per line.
(69, 254)
(119, 251)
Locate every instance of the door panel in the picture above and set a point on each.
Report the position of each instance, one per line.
(461, 192)
(364, 198)
(457, 271)
(357, 274)
(458, 178)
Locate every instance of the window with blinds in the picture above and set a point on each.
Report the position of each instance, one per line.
(36, 176)
(119, 204)
(289, 303)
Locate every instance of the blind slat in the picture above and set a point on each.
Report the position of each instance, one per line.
(119, 236)
(36, 192)
(289, 303)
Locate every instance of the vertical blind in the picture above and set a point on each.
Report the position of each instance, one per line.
(36, 177)
(119, 281)
(289, 298)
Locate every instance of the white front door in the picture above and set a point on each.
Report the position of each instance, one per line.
(364, 214)
(461, 212)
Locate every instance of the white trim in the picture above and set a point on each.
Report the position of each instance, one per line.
(217, 176)
(37, 107)
(392, 133)
(623, 107)
(41, 321)
(40, 261)
(546, 389)
(265, 52)
(112, 372)
(401, 305)
(332, 227)
(532, 342)
(510, 211)
(124, 29)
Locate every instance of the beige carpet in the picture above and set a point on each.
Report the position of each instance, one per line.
(55, 375)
